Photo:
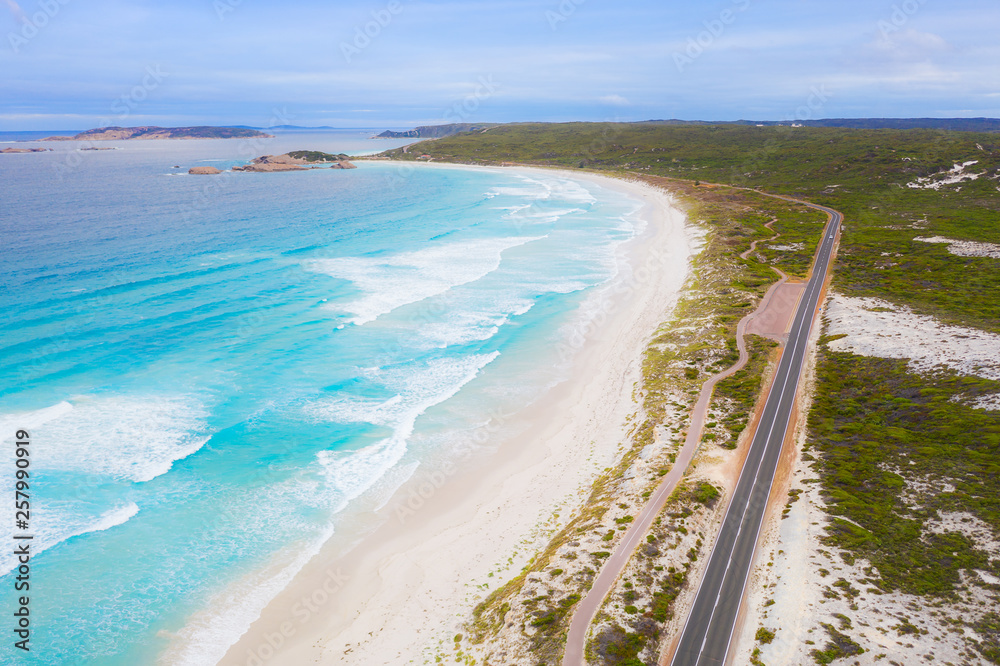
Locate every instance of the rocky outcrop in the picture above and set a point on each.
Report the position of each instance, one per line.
(262, 167)
(287, 158)
(24, 150)
(203, 170)
(295, 161)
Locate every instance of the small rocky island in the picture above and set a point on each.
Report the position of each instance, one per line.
(25, 150)
(298, 160)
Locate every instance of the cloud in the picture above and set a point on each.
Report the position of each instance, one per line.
(906, 58)
(903, 48)
(615, 100)
(15, 9)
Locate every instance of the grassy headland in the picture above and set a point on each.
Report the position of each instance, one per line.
(863, 173)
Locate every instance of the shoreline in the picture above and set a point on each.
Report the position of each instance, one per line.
(443, 535)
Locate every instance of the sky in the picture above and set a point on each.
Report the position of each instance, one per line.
(76, 64)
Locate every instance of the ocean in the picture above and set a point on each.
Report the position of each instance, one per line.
(221, 373)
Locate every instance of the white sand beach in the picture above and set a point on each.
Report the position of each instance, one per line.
(447, 540)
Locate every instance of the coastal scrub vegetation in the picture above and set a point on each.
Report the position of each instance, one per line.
(651, 584)
(736, 395)
(900, 452)
(317, 156)
(907, 466)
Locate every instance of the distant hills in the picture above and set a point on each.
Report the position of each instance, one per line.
(151, 132)
(437, 131)
(301, 127)
(953, 124)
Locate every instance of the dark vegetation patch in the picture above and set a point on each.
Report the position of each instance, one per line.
(840, 646)
(988, 628)
(317, 156)
(743, 387)
(878, 427)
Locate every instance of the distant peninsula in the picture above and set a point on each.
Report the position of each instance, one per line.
(151, 133)
(435, 131)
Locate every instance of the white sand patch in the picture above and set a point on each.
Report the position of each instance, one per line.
(965, 248)
(916, 488)
(808, 585)
(990, 402)
(791, 247)
(988, 578)
(811, 586)
(878, 328)
(953, 176)
(977, 531)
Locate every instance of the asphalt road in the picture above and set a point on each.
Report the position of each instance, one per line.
(587, 608)
(708, 631)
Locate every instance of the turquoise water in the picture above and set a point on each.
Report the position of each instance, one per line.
(216, 370)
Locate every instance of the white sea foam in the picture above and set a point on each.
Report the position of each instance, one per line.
(523, 215)
(30, 421)
(392, 281)
(535, 193)
(573, 191)
(542, 188)
(129, 438)
(208, 634)
(474, 320)
(350, 473)
(54, 525)
(461, 329)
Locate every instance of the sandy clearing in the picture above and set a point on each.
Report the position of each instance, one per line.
(878, 328)
(962, 248)
(953, 176)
